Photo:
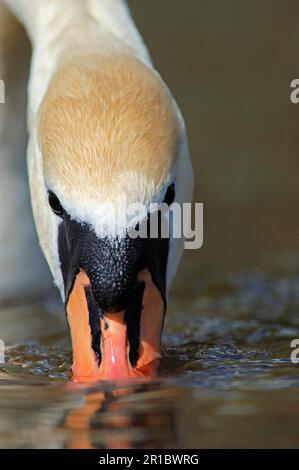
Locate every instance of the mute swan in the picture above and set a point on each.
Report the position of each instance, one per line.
(102, 127)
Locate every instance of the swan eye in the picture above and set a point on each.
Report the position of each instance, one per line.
(170, 195)
(55, 204)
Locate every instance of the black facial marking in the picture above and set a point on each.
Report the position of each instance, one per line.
(158, 248)
(132, 318)
(112, 264)
(94, 322)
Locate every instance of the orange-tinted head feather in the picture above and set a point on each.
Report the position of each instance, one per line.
(108, 126)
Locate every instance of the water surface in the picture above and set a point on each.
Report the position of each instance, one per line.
(226, 377)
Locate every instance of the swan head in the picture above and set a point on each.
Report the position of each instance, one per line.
(109, 137)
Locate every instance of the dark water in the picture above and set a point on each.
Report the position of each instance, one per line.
(226, 375)
(226, 378)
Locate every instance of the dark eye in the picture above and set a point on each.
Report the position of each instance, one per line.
(170, 195)
(55, 204)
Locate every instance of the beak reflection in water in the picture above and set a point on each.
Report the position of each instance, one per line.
(111, 419)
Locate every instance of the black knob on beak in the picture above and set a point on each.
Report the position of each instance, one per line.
(111, 263)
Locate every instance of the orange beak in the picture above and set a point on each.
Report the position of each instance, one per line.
(114, 344)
